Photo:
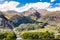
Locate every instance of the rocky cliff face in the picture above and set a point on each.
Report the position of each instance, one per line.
(16, 19)
(4, 22)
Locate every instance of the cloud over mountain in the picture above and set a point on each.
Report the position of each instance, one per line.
(54, 9)
(8, 6)
(12, 5)
(38, 5)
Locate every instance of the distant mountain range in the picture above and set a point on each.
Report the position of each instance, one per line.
(11, 19)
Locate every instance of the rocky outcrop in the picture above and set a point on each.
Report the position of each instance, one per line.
(16, 20)
(4, 22)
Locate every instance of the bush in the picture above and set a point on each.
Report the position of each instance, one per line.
(1, 36)
(10, 36)
(57, 36)
(30, 35)
(46, 35)
(37, 35)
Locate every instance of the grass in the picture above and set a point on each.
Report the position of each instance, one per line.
(50, 29)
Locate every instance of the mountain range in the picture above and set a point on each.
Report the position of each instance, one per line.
(12, 19)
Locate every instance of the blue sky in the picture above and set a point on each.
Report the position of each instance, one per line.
(23, 2)
(26, 4)
(33, 1)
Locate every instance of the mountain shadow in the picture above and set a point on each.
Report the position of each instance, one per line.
(17, 20)
(4, 22)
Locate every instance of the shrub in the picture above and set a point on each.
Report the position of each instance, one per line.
(29, 35)
(57, 36)
(46, 35)
(37, 35)
(10, 36)
(1, 35)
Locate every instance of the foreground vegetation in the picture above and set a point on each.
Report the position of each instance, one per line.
(31, 27)
(8, 36)
(37, 35)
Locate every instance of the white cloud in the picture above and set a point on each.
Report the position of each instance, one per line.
(52, 0)
(54, 9)
(38, 5)
(13, 6)
(8, 6)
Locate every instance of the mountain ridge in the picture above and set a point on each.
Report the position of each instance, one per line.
(14, 19)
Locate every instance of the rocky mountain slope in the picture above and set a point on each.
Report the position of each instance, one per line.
(14, 19)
